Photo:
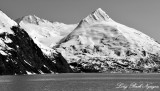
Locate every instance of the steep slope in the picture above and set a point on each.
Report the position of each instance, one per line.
(44, 33)
(20, 55)
(5, 21)
(99, 44)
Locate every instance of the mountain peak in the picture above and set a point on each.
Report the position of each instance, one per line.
(33, 19)
(97, 16)
(101, 12)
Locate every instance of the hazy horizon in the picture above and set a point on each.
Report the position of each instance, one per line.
(142, 15)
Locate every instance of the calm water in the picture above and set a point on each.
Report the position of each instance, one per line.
(81, 82)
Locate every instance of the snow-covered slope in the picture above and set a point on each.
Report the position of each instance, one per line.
(6, 23)
(44, 33)
(99, 44)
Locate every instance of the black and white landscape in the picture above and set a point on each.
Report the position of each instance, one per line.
(32, 45)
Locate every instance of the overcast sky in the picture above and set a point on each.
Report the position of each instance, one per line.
(143, 15)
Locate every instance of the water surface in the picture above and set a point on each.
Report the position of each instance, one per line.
(81, 82)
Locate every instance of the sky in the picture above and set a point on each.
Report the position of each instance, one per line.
(143, 15)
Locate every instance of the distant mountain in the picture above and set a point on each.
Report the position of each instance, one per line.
(99, 44)
(20, 55)
(45, 34)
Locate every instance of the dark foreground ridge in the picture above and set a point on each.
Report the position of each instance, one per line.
(25, 57)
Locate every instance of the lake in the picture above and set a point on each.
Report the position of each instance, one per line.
(81, 82)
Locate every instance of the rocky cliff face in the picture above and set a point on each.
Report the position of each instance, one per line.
(99, 44)
(20, 55)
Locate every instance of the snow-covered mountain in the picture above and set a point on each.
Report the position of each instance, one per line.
(20, 55)
(45, 34)
(99, 44)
